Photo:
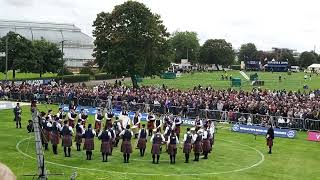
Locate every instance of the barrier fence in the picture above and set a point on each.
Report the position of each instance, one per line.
(185, 112)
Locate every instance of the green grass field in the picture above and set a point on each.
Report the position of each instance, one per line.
(25, 75)
(235, 156)
(294, 81)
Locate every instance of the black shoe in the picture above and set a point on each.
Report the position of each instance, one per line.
(186, 162)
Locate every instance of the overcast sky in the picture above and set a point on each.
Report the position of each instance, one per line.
(267, 23)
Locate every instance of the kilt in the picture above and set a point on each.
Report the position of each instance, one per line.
(97, 125)
(155, 149)
(172, 149)
(106, 147)
(78, 138)
(197, 148)
(206, 147)
(142, 143)
(187, 148)
(269, 142)
(55, 138)
(67, 141)
(150, 125)
(71, 123)
(126, 147)
(88, 144)
(109, 124)
(177, 130)
(46, 136)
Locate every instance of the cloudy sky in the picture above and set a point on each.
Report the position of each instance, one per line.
(267, 23)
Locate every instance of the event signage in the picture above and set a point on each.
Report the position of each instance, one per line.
(313, 136)
(258, 130)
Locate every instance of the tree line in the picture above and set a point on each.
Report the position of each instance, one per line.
(38, 56)
(132, 40)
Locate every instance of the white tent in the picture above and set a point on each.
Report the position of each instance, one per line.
(314, 67)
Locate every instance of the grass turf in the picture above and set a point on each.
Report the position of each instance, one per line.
(25, 75)
(292, 158)
(294, 81)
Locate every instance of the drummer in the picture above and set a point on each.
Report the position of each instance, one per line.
(136, 124)
(150, 125)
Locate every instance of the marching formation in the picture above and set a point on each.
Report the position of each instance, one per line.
(163, 133)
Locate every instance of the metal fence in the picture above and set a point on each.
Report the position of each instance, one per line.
(186, 112)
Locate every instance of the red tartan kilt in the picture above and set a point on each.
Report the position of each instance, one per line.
(269, 142)
(142, 143)
(197, 147)
(177, 130)
(187, 147)
(97, 125)
(78, 138)
(88, 144)
(172, 149)
(67, 141)
(206, 147)
(156, 149)
(55, 138)
(126, 147)
(106, 147)
(46, 136)
(109, 124)
(150, 125)
(71, 123)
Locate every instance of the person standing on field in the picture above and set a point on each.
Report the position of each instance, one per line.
(17, 115)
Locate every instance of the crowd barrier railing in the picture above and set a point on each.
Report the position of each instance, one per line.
(185, 112)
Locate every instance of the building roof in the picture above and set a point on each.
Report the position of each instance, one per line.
(53, 32)
(78, 47)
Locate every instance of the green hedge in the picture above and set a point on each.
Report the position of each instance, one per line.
(104, 76)
(76, 78)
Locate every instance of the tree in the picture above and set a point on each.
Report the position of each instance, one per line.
(287, 56)
(264, 57)
(186, 46)
(248, 52)
(307, 58)
(217, 51)
(132, 40)
(46, 58)
(19, 51)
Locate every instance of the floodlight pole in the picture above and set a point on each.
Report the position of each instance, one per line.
(62, 46)
(6, 58)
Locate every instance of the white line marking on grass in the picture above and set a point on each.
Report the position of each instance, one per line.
(262, 158)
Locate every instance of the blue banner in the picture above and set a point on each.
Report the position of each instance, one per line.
(284, 133)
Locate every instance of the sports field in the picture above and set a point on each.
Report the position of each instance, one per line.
(294, 81)
(235, 156)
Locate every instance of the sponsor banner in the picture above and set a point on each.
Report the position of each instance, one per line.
(313, 136)
(117, 113)
(285, 133)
